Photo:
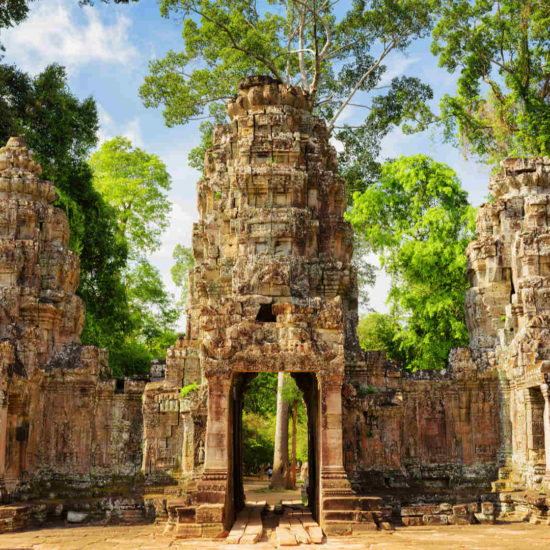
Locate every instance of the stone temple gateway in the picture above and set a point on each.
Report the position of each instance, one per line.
(273, 290)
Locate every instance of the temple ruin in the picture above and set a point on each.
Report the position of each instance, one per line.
(273, 289)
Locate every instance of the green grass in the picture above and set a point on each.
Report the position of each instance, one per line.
(268, 490)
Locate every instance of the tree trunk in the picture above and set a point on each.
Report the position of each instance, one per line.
(279, 479)
(293, 455)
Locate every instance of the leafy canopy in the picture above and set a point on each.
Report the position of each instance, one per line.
(502, 49)
(259, 418)
(134, 183)
(380, 332)
(336, 55)
(61, 130)
(417, 218)
(152, 308)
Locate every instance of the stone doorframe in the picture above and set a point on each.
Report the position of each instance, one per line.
(212, 497)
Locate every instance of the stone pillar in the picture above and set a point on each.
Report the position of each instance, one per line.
(545, 389)
(217, 456)
(3, 441)
(211, 498)
(334, 480)
(505, 413)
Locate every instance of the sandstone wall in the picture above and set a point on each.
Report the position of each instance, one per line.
(508, 312)
(64, 423)
(425, 431)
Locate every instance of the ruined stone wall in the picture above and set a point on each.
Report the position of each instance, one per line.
(508, 312)
(64, 424)
(426, 431)
(491, 409)
(174, 425)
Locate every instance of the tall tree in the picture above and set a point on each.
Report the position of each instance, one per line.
(502, 50)
(418, 219)
(280, 477)
(61, 130)
(135, 184)
(293, 397)
(336, 55)
(152, 308)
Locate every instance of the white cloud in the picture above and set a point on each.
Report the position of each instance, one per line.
(59, 31)
(397, 65)
(108, 128)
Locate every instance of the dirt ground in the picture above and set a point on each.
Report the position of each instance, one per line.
(256, 490)
(517, 536)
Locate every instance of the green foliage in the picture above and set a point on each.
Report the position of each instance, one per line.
(186, 390)
(13, 12)
(291, 393)
(418, 219)
(501, 48)
(366, 272)
(259, 416)
(152, 309)
(332, 53)
(380, 332)
(61, 130)
(364, 391)
(258, 441)
(261, 395)
(129, 357)
(134, 183)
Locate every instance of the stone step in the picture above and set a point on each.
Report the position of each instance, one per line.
(237, 531)
(338, 528)
(14, 518)
(248, 527)
(352, 515)
(299, 531)
(285, 537)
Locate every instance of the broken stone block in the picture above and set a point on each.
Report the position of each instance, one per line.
(76, 517)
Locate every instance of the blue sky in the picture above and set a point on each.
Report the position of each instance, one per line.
(106, 49)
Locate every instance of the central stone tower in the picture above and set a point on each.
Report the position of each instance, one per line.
(273, 290)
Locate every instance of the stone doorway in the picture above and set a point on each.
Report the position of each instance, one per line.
(309, 386)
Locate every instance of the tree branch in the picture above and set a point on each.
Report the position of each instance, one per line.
(365, 75)
(221, 26)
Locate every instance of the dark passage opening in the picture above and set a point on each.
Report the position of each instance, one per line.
(265, 315)
(308, 385)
